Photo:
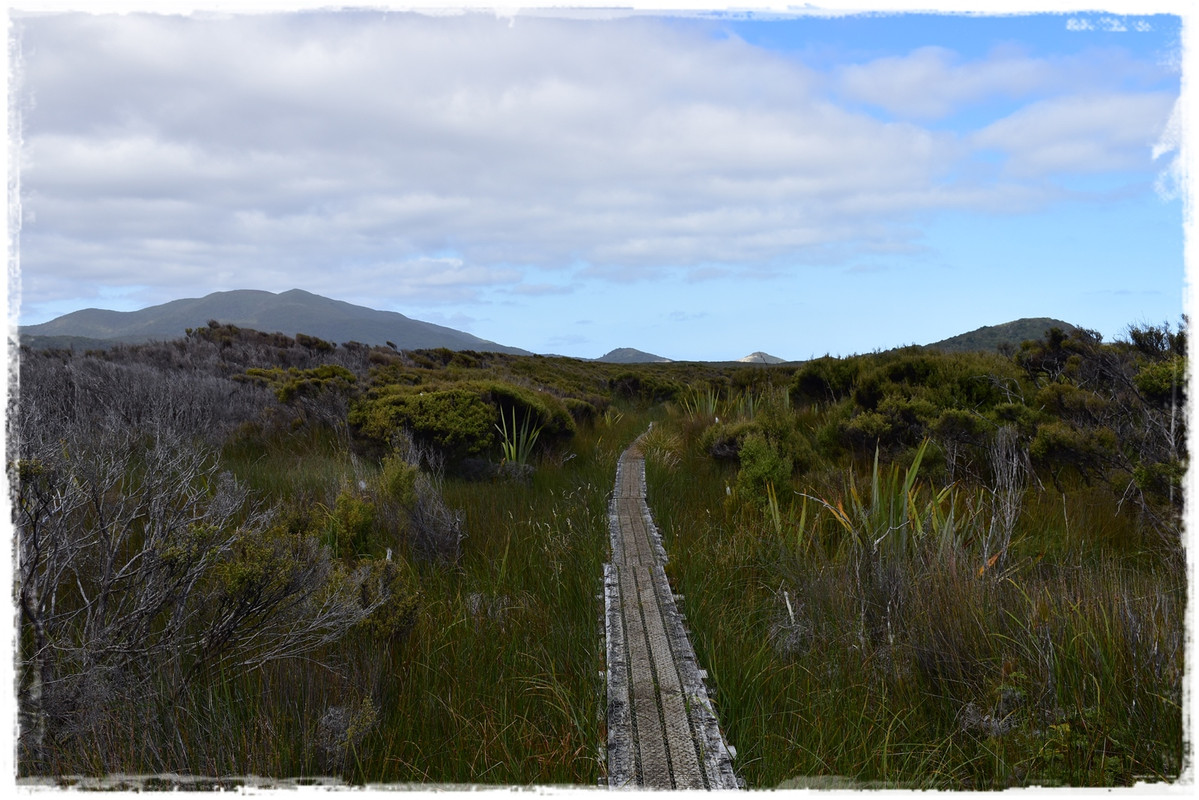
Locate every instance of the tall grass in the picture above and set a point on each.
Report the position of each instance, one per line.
(867, 638)
(494, 679)
(501, 678)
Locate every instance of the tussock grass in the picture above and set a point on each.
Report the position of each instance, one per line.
(868, 635)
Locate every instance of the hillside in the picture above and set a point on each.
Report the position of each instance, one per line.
(629, 355)
(990, 337)
(291, 312)
(759, 357)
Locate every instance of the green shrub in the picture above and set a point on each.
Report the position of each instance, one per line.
(1069, 401)
(645, 387)
(397, 480)
(353, 529)
(910, 417)
(866, 430)
(1059, 445)
(723, 440)
(824, 380)
(959, 425)
(1163, 382)
(456, 420)
(292, 383)
(396, 598)
(581, 410)
(313, 343)
(762, 465)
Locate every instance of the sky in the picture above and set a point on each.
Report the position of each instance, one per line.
(696, 183)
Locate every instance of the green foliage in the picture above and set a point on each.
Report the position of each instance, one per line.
(762, 465)
(700, 402)
(960, 425)
(314, 343)
(353, 530)
(1058, 445)
(723, 440)
(867, 634)
(644, 386)
(1162, 480)
(457, 420)
(517, 443)
(581, 410)
(396, 599)
(1070, 402)
(397, 480)
(825, 379)
(1163, 383)
(290, 383)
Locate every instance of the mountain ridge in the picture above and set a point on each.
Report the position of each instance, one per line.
(290, 312)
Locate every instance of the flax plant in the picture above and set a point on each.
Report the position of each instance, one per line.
(517, 444)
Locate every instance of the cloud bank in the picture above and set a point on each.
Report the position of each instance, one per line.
(398, 156)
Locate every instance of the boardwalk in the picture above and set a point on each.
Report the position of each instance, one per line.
(662, 732)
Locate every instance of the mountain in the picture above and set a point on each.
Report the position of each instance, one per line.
(990, 337)
(628, 355)
(290, 312)
(762, 358)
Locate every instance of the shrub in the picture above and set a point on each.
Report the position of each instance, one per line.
(762, 465)
(459, 419)
(959, 425)
(397, 480)
(644, 386)
(1164, 382)
(581, 410)
(866, 430)
(352, 529)
(723, 440)
(456, 420)
(1058, 445)
(824, 379)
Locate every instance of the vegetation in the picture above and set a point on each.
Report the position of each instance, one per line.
(966, 579)
(247, 554)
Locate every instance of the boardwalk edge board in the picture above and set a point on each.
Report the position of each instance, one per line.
(662, 731)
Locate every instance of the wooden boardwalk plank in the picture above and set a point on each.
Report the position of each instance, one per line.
(662, 732)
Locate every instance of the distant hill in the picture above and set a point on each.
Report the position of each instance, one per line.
(628, 355)
(990, 337)
(762, 358)
(290, 312)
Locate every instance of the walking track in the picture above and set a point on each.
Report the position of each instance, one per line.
(662, 731)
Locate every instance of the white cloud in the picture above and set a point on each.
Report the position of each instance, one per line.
(1093, 133)
(330, 150)
(934, 82)
(1168, 184)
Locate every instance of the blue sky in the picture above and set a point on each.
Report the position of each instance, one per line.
(697, 185)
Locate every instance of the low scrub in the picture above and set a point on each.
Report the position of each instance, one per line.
(460, 419)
